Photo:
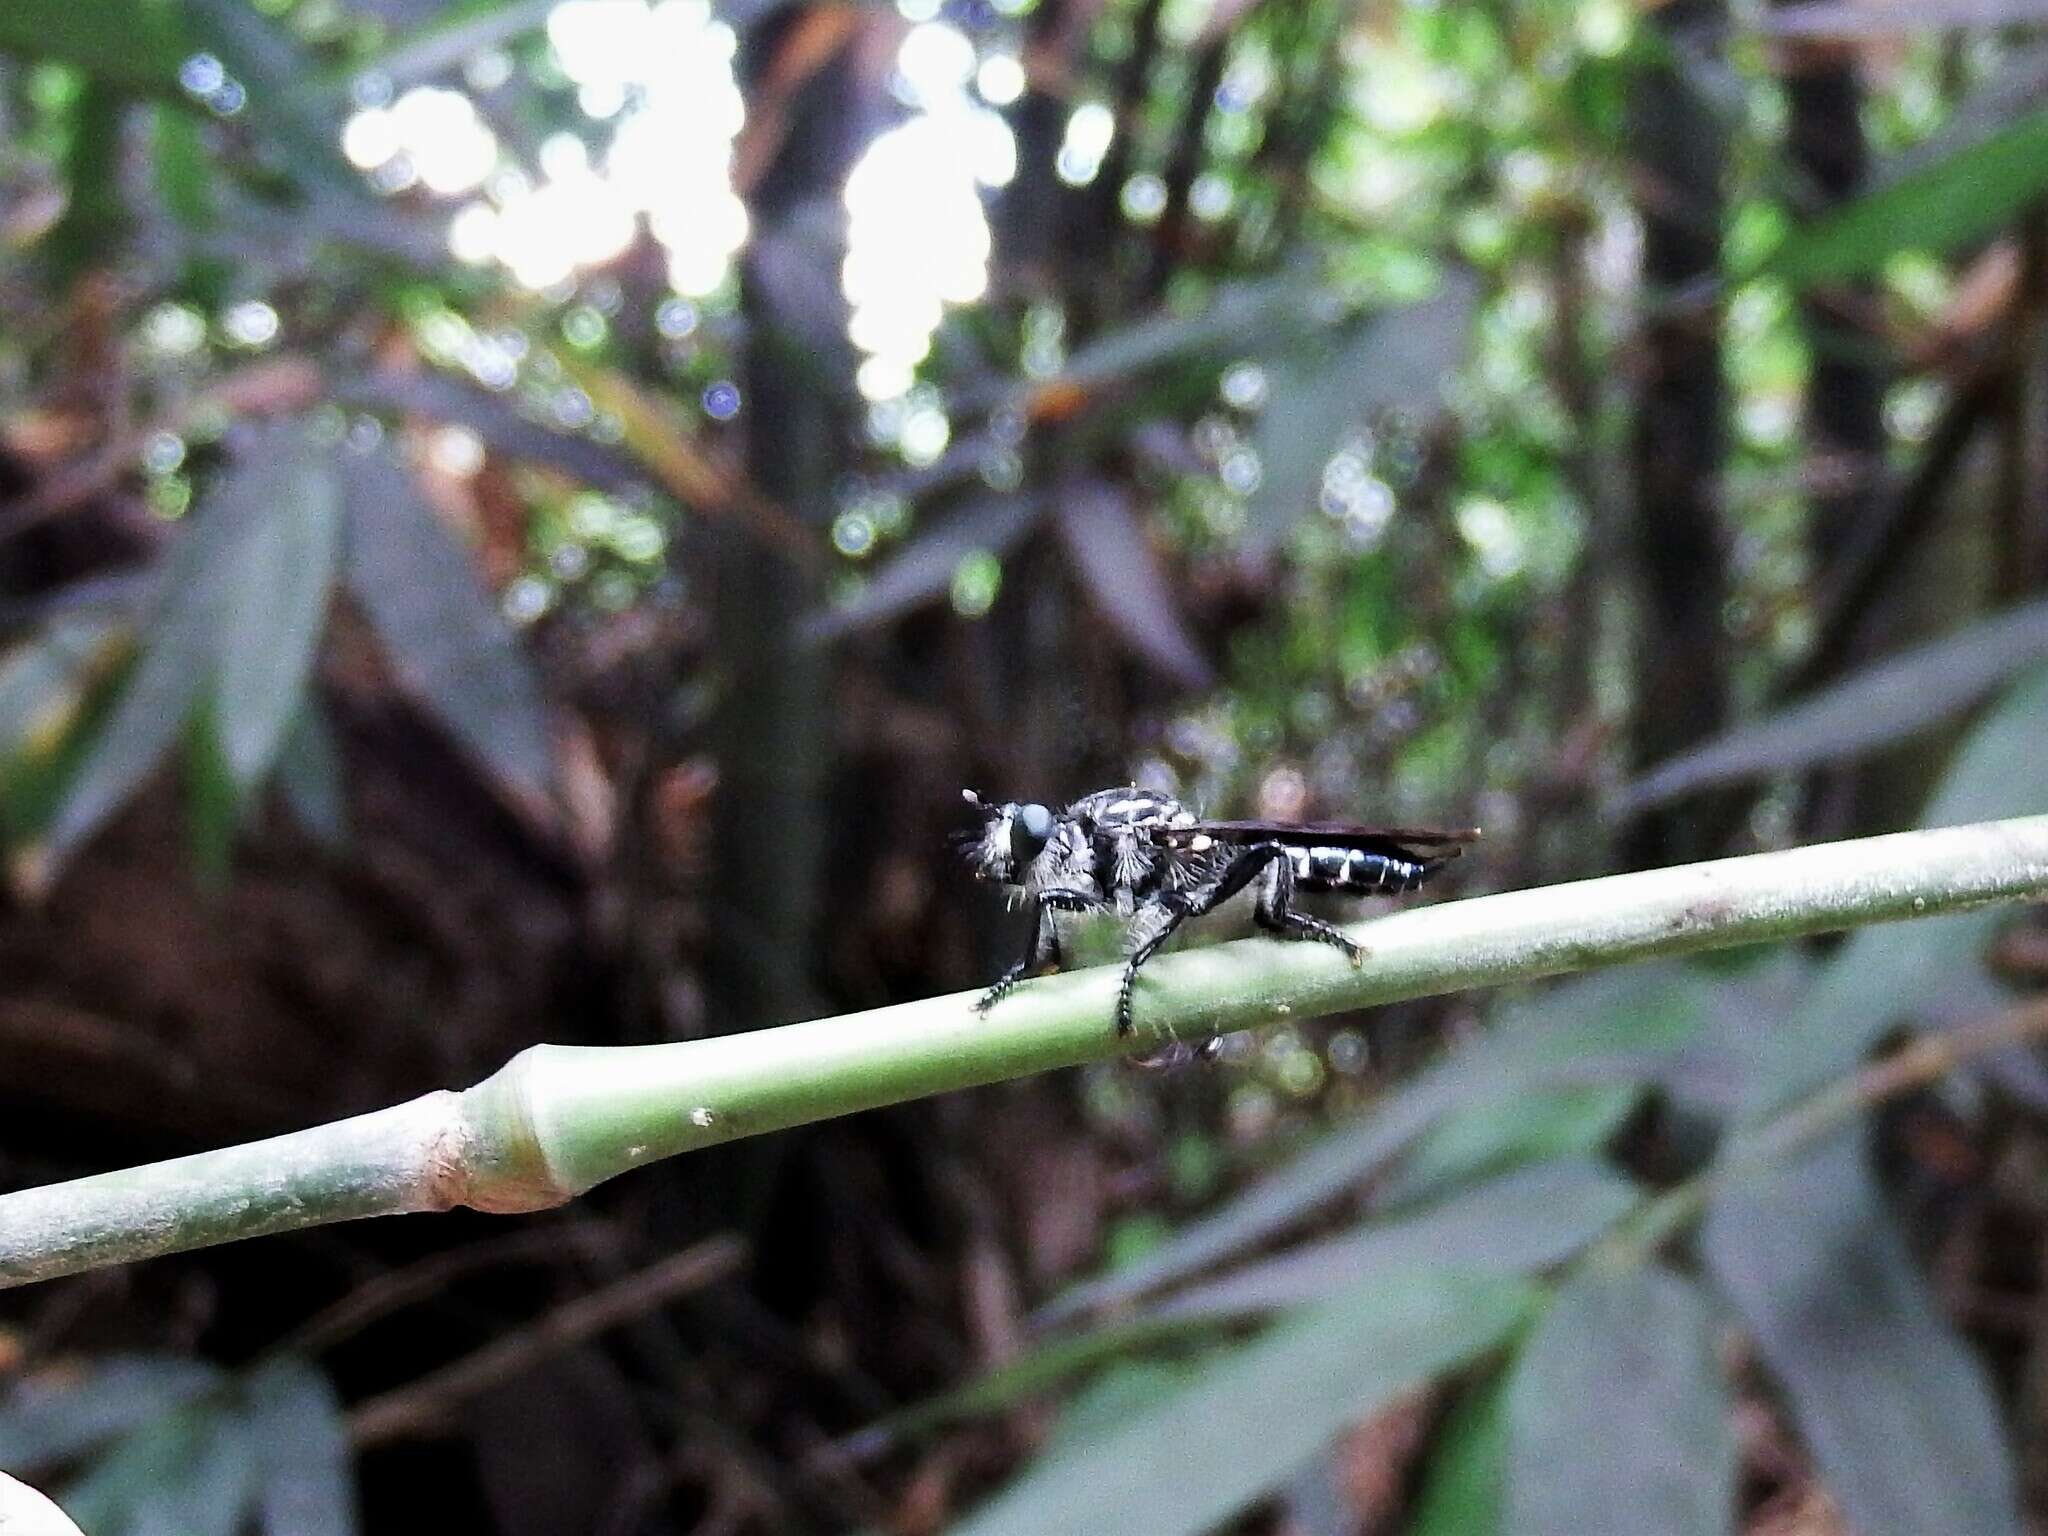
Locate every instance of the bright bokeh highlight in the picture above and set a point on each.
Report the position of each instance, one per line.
(917, 235)
(660, 78)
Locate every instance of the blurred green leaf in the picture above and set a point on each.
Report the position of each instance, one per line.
(924, 568)
(1120, 571)
(1872, 708)
(93, 232)
(43, 680)
(48, 1420)
(285, 101)
(1235, 318)
(184, 174)
(1526, 1126)
(1618, 1419)
(188, 1472)
(134, 45)
(1319, 392)
(498, 423)
(150, 709)
(309, 776)
(184, 1452)
(2014, 87)
(1122, 1391)
(240, 611)
(1899, 1416)
(1033, 1374)
(1249, 1420)
(273, 613)
(37, 767)
(1880, 976)
(1461, 1488)
(214, 802)
(300, 1438)
(1616, 1025)
(443, 636)
(448, 39)
(1935, 208)
(299, 116)
(1525, 1220)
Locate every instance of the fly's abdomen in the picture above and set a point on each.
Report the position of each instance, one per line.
(1355, 872)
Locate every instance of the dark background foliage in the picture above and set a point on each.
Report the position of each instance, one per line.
(517, 520)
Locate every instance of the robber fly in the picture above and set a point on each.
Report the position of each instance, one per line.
(1153, 862)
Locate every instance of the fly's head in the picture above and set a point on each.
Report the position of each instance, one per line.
(1028, 846)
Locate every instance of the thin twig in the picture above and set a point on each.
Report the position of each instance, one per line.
(1804, 1125)
(425, 1405)
(1884, 543)
(397, 1289)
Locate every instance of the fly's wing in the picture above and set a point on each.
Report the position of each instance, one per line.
(1418, 844)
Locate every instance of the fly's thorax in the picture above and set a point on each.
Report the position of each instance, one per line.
(1132, 808)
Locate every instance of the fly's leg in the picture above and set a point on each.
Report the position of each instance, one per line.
(1042, 948)
(1273, 910)
(1237, 874)
(1178, 909)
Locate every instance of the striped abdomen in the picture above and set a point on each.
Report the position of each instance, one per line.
(1355, 872)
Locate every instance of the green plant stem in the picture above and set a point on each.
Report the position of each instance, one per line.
(557, 1120)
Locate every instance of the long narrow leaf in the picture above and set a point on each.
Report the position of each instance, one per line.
(44, 1422)
(190, 1472)
(1033, 1374)
(446, 641)
(1390, 359)
(241, 607)
(924, 568)
(1245, 1424)
(1883, 704)
(309, 776)
(1936, 208)
(1618, 1419)
(1899, 1416)
(273, 610)
(1236, 318)
(1877, 979)
(1121, 573)
(1461, 1489)
(1526, 1125)
(1525, 1220)
(135, 45)
(154, 703)
(300, 1438)
(497, 422)
(1595, 1029)
(304, 122)
(43, 680)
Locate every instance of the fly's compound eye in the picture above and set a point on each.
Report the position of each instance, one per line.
(1030, 827)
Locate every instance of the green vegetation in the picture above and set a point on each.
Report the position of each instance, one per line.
(519, 517)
